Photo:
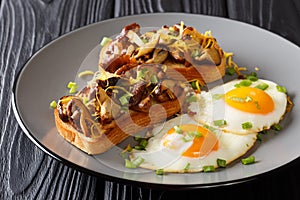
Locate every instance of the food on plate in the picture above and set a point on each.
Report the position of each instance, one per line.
(186, 53)
(223, 126)
(242, 106)
(156, 82)
(112, 107)
(182, 145)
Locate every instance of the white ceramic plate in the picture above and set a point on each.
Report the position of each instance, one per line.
(45, 75)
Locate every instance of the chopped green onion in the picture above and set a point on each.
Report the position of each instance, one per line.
(139, 147)
(252, 78)
(191, 99)
(178, 129)
(187, 167)
(137, 138)
(281, 89)
(195, 53)
(141, 73)
(243, 83)
(73, 87)
(105, 41)
(85, 100)
(195, 85)
(257, 105)
(221, 162)
(217, 96)
(253, 74)
(154, 79)
(248, 99)
(196, 134)
(262, 86)
(259, 137)
(247, 125)
(249, 160)
(71, 84)
(143, 142)
(276, 127)
(144, 40)
(230, 71)
(129, 164)
(53, 104)
(238, 99)
(209, 168)
(73, 90)
(264, 132)
(187, 138)
(159, 172)
(220, 122)
(138, 161)
(124, 100)
(210, 128)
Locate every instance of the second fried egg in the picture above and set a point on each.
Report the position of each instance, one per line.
(182, 145)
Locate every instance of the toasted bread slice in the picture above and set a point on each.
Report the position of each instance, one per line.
(121, 128)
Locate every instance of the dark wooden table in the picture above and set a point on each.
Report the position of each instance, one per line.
(26, 172)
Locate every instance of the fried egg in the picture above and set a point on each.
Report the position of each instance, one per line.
(241, 106)
(182, 145)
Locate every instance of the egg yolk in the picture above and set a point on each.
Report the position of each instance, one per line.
(202, 144)
(251, 100)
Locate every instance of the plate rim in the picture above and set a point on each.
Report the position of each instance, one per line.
(75, 166)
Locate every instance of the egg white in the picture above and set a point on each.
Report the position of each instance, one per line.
(170, 159)
(209, 109)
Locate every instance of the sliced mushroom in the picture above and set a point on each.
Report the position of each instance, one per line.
(159, 56)
(80, 117)
(148, 46)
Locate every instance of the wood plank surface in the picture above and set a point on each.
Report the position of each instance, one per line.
(26, 172)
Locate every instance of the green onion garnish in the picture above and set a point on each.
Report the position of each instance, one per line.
(105, 41)
(187, 167)
(276, 127)
(230, 71)
(124, 99)
(195, 85)
(262, 86)
(53, 104)
(191, 99)
(238, 99)
(129, 164)
(137, 137)
(138, 161)
(159, 172)
(220, 122)
(73, 87)
(264, 132)
(178, 129)
(259, 137)
(248, 99)
(247, 125)
(71, 84)
(243, 83)
(252, 78)
(187, 138)
(154, 79)
(195, 53)
(221, 162)
(143, 143)
(195, 134)
(209, 168)
(281, 89)
(249, 160)
(217, 96)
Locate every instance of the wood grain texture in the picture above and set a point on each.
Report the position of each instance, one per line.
(27, 25)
